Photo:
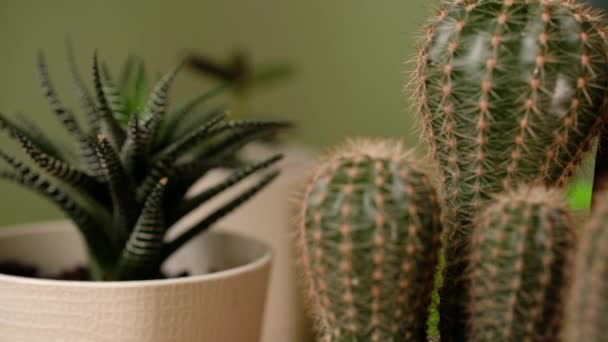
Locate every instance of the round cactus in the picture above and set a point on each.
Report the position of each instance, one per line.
(369, 240)
(588, 307)
(510, 91)
(521, 251)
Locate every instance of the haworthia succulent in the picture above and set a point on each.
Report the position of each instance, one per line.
(116, 192)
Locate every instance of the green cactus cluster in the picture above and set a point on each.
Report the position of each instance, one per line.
(521, 252)
(369, 239)
(510, 92)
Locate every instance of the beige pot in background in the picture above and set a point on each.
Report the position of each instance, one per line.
(269, 217)
(226, 306)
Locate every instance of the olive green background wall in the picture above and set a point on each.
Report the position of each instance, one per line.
(348, 55)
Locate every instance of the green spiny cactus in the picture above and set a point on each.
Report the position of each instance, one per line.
(587, 317)
(522, 246)
(369, 240)
(509, 91)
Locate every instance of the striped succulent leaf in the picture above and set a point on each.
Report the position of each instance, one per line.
(109, 126)
(30, 130)
(99, 245)
(156, 106)
(63, 114)
(113, 95)
(142, 251)
(219, 213)
(117, 192)
(182, 112)
(192, 203)
(57, 168)
(86, 100)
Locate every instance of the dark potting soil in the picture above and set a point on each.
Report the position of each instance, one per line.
(77, 273)
(10, 267)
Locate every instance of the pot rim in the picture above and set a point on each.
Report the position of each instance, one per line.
(58, 226)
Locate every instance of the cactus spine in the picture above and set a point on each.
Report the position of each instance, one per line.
(369, 240)
(588, 306)
(510, 91)
(521, 249)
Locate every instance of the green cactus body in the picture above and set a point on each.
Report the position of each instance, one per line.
(522, 247)
(510, 91)
(588, 303)
(369, 240)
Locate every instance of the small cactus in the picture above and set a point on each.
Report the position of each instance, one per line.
(369, 239)
(521, 249)
(588, 306)
(510, 92)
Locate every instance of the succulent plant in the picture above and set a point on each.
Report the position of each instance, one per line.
(588, 305)
(522, 247)
(136, 162)
(510, 91)
(369, 240)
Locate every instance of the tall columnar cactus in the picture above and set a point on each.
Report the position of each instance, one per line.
(369, 240)
(588, 307)
(522, 247)
(510, 91)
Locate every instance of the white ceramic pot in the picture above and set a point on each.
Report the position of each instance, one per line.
(224, 306)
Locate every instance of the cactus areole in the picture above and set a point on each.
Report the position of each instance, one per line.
(509, 91)
(369, 241)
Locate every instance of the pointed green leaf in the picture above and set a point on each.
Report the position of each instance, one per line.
(35, 134)
(99, 244)
(141, 255)
(87, 102)
(241, 134)
(141, 89)
(126, 73)
(109, 125)
(113, 95)
(124, 206)
(156, 106)
(63, 114)
(192, 203)
(166, 161)
(133, 153)
(59, 169)
(218, 214)
(182, 112)
(186, 174)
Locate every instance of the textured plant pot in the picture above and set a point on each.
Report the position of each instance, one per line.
(224, 306)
